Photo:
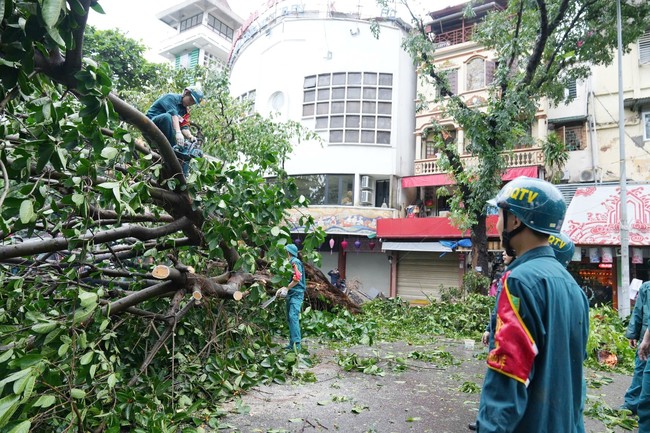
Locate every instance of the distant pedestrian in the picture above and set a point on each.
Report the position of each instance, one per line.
(534, 382)
(335, 276)
(635, 332)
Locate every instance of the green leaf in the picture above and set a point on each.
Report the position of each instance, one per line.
(77, 393)
(6, 355)
(43, 328)
(112, 380)
(109, 185)
(23, 427)
(2, 9)
(45, 401)
(26, 211)
(51, 11)
(109, 153)
(275, 231)
(54, 34)
(78, 199)
(87, 358)
(8, 406)
(97, 8)
(87, 298)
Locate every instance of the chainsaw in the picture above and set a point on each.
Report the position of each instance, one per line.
(268, 302)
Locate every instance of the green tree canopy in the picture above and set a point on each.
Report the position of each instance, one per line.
(539, 46)
(125, 58)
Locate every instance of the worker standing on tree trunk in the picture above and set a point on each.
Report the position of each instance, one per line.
(295, 293)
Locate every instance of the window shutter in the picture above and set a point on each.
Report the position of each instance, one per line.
(177, 63)
(644, 48)
(572, 88)
(194, 58)
(490, 67)
(452, 76)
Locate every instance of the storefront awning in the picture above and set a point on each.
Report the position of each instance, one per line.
(427, 228)
(593, 216)
(415, 246)
(440, 179)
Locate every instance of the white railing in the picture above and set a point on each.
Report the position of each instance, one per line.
(516, 158)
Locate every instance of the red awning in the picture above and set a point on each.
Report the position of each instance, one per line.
(427, 228)
(593, 216)
(444, 179)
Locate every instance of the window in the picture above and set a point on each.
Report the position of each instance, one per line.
(646, 126)
(644, 48)
(431, 146)
(212, 61)
(325, 189)
(249, 97)
(573, 135)
(219, 27)
(352, 107)
(452, 80)
(475, 74)
(190, 22)
(572, 89)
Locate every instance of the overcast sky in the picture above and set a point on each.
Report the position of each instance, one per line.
(137, 18)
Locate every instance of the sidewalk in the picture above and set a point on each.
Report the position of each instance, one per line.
(429, 396)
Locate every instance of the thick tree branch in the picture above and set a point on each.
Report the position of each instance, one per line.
(149, 129)
(34, 247)
(117, 307)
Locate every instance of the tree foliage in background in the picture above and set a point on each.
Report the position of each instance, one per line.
(125, 58)
(92, 197)
(539, 47)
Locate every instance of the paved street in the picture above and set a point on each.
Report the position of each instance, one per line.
(426, 397)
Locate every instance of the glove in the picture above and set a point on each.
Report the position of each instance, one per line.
(282, 293)
(180, 139)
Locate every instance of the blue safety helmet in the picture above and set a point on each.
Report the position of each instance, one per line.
(292, 249)
(536, 202)
(197, 94)
(563, 247)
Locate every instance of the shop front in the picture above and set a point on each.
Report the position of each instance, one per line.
(593, 223)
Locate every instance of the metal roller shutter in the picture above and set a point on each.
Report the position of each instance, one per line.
(420, 274)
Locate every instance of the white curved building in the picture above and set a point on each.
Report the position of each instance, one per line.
(324, 67)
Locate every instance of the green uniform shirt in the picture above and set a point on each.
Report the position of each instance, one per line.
(640, 315)
(554, 314)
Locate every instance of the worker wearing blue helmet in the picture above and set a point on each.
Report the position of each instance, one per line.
(563, 247)
(171, 115)
(295, 293)
(534, 382)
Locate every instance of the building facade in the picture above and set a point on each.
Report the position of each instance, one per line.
(588, 127)
(204, 33)
(323, 66)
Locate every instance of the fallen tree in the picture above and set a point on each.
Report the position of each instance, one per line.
(108, 252)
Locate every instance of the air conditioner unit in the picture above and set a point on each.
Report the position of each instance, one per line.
(566, 175)
(366, 182)
(587, 176)
(367, 197)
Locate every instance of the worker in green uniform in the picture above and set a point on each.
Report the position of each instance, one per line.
(295, 293)
(635, 332)
(534, 382)
(170, 114)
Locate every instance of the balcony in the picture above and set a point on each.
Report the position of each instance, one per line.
(454, 37)
(527, 157)
(200, 36)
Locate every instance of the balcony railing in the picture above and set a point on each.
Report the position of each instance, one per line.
(517, 158)
(454, 37)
